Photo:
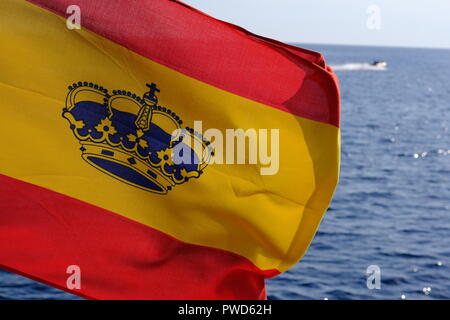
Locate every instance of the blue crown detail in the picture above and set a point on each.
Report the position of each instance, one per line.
(130, 137)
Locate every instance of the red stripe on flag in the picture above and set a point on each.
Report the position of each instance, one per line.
(215, 52)
(43, 232)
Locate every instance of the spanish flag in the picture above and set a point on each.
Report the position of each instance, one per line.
(91, 114)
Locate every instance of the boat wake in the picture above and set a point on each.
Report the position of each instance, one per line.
(359, 66)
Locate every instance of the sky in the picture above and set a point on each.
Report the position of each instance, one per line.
(401, 23)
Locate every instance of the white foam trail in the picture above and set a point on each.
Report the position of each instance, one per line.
(357, 67)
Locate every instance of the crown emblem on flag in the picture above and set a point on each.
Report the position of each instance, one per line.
(133, 138)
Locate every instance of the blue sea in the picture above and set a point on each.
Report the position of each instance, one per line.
(392, 206)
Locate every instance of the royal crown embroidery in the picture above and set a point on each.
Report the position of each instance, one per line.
(132, 139)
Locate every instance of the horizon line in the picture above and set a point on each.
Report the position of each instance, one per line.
(368, 45)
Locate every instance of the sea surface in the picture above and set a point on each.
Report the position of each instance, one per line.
(392, 206)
